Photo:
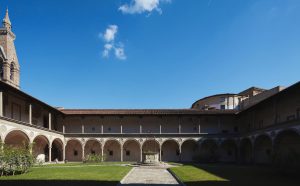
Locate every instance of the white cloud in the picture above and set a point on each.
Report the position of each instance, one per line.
(119, 52)
(110, 33)
(109, 38)
(141, 6)
(107, 48)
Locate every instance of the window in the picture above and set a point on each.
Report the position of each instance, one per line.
(46, 121)
(127, 153)
(222, 107)
(75, 152)
(93, 129)
(109, 129)
(12, 69)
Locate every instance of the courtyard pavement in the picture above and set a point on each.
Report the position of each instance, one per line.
(151, 175)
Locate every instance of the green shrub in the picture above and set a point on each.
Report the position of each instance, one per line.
(94, 158)
(15, 160)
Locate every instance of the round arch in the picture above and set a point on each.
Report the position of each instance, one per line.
(73, 150)
(151, 145)
(246, 151)
(132, 149)
(208, 151)
(189, 150)
(263, 149)
(112, 150)
(170, 150)
(57, 150)
(287, 148)
(40, 148)
(17, 138)
(92, 146)
(228, 151)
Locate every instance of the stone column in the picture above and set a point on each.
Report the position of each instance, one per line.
(50, 152)
(141, 129)
(1, 103)
(64, 129)
(30, 148)
(102, 154)
(253, 151)
(101, 129)
(141, 153)
(121, 129)
(179, 146)
(30, 114)
(272, 145)
(238, 158)
(121, 152)
(82, 152)
(82, 128)
(160, 129)
(199, 129)
(159, 152)
(64, 152)
(50, 121)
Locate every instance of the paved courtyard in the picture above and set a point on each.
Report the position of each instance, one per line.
(149, 176)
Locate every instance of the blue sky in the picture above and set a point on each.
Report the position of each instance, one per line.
(161, 54)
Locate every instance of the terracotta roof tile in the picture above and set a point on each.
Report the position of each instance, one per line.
(143, 111)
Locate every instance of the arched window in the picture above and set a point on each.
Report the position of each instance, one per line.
(12, 69)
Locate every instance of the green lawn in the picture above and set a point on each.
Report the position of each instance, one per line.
(219, 175)
(85, 164)
(76, 174)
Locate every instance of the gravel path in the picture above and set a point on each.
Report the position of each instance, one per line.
(149, 176)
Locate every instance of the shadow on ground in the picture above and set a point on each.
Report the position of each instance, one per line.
(57, 183)
(238, 175)
(147, 185)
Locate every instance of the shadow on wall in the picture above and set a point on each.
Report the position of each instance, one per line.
(244, 176)
(57, 183)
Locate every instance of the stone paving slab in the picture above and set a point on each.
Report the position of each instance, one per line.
(149, 176)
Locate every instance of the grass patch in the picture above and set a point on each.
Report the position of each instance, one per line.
(84, 164)
(69, 176)
(219, 175)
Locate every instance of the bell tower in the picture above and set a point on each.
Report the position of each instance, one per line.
(9, 64)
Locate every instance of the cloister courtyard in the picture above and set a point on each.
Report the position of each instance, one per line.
(172, 114)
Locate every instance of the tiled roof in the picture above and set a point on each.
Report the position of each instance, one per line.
(144, 111)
